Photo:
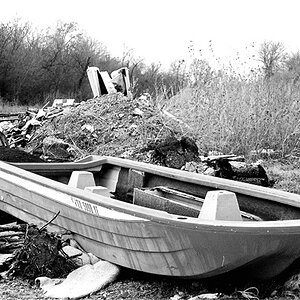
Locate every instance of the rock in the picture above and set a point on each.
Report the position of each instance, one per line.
(172, 152)
(79, 257)
(56, 149)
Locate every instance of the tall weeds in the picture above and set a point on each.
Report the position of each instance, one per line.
(238, 114)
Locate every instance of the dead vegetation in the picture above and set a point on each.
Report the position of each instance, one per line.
(29, 252)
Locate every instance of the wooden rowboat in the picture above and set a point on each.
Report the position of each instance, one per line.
(158, 220)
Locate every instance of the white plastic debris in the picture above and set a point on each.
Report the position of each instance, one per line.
(206, 296)
(88, 127)
(81, 282)
(138, 112)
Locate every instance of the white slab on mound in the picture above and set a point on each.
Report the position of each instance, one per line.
(81, 282)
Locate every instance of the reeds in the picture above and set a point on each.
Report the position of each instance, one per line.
(239, 114)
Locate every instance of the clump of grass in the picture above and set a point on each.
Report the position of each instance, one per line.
(286, 174)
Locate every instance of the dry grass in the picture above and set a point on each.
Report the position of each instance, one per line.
(285, 173)
(11, 108)
(234, 114)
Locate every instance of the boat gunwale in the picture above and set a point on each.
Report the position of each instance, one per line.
(280, 226)
(196, 178)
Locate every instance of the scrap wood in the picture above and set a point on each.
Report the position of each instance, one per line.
(230, 157)
(4, 234)
(21, 127)
(12, 227)
(32, 251)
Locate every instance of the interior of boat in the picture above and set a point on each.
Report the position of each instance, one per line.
(170, 194)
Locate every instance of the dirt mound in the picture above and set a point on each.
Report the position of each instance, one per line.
(112, 125)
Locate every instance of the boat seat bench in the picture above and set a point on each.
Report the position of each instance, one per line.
(220, 205)
(85, 180)
(81, 179)
(148, 198)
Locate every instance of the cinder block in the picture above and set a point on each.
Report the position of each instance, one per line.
(81, 179)
(220, 205)
(99, 190)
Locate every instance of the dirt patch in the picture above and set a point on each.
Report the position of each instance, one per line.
(17, 155)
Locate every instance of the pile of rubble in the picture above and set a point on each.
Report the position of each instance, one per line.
(112, 124)
(19, 128)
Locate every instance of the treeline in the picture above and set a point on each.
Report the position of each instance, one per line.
(37, 66)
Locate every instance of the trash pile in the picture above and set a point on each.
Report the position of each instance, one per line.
(112, 124)
(19, 128)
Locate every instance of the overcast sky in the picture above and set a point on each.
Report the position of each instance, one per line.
(162, 30)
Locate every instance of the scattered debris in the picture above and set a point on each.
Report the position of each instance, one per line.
(12, 237)
(250, 293)
(20, 129)
(37, 253)
(293, 283)
(63, 102)
(230, 167)
(9, 116)
(266, 153)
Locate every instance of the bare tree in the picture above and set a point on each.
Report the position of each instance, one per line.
(271, 54)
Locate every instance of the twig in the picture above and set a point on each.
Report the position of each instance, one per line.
(43, 227)
(250, 293)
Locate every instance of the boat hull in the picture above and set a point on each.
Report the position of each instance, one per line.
(147, 240)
